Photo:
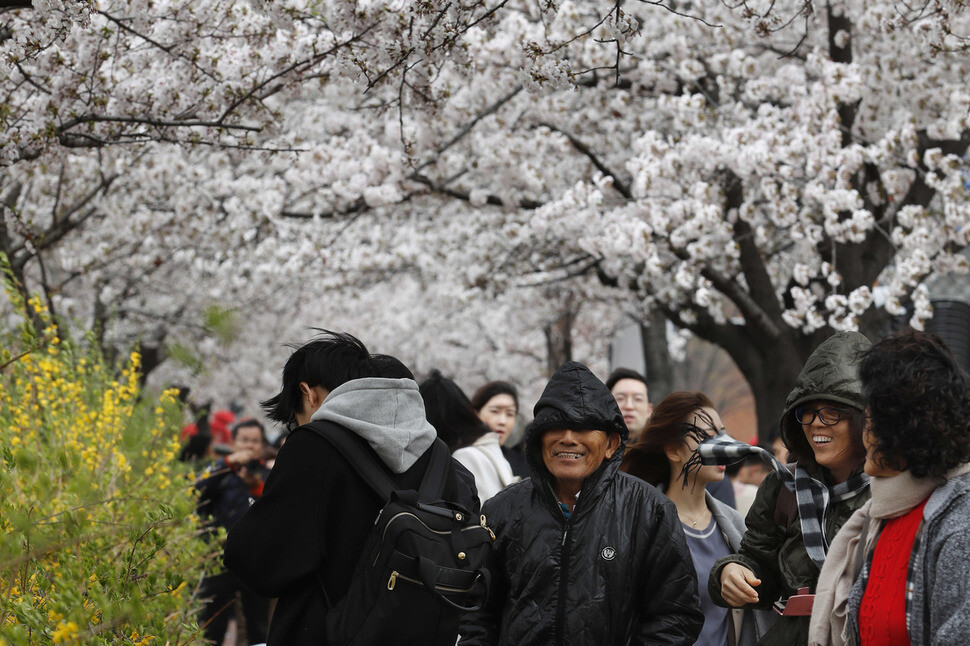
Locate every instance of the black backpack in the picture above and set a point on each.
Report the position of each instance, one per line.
(423, 564)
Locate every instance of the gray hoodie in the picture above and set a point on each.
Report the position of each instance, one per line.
(388, 413)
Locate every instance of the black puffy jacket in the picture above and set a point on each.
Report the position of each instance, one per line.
(617, 572)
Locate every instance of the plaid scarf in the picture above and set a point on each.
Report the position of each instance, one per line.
(813, 497)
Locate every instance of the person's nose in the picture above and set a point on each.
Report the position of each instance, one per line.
(568, 437)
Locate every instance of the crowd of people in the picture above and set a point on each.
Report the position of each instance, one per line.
(613, 521)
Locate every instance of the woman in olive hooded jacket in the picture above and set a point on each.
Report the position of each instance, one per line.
(776, 556)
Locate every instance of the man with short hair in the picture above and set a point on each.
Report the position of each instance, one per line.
(225, 490)
(629, 388)
(302, 539)
(584, 554)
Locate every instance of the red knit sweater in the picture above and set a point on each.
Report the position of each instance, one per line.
(882, 615)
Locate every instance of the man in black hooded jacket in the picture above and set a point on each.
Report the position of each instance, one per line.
(584, 554)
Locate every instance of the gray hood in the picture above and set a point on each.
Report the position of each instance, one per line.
(388, 413)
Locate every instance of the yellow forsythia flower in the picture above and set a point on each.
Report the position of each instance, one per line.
(65, 632)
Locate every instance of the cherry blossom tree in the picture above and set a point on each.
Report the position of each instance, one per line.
(761, 177)
(761, 173)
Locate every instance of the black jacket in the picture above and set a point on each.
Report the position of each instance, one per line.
(310, 525)
(617, 572)
(223, 495)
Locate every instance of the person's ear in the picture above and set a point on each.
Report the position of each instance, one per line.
(673, 453)
(312, 395)
(612, 444)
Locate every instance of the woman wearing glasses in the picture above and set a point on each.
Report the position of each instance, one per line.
(800, 509)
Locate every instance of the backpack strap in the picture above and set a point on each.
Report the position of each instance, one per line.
(433, 482)
(368, 465)
(375, 472)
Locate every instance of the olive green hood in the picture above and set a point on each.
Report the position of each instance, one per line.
(832, 374)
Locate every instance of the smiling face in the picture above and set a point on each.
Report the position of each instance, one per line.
(498, 413)
(571, 456)
(832, 445)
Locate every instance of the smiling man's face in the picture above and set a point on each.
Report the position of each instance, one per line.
(571, 456)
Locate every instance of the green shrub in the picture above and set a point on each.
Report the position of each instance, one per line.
(98, 539)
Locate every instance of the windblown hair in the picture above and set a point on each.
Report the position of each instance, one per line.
(330, 360)
(449, 411)
(919, 404)
(672, 421)
(491, 389)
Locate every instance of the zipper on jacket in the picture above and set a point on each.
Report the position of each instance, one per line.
(563, 580)
(397, 576)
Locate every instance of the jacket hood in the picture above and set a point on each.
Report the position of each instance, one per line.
(831, 373)
(573, 399)
(388, 413)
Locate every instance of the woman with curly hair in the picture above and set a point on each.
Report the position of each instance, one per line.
(664, 457)
(899, 571)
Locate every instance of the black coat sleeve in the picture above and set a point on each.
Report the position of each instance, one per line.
(670, 611)
(279, 540)
(759, 548)
(207, 486)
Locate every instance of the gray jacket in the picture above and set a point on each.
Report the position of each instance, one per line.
(754, 623)
(939, 612)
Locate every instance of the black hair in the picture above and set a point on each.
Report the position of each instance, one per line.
(278, 441)
(919, 404)
(624, 373)
(388, 367)
(247, 422)
(449, 411)
(491, 389)
(329, 360)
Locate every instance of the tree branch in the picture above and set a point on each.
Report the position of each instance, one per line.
(622, 187)
(767, 314)
(489, 110)
(465, 196)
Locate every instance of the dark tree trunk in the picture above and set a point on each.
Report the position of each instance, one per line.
(771, 367)
(559, 340)
(656, 357)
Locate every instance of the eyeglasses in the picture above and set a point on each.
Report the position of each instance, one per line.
(827, 416)
(636, 399)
